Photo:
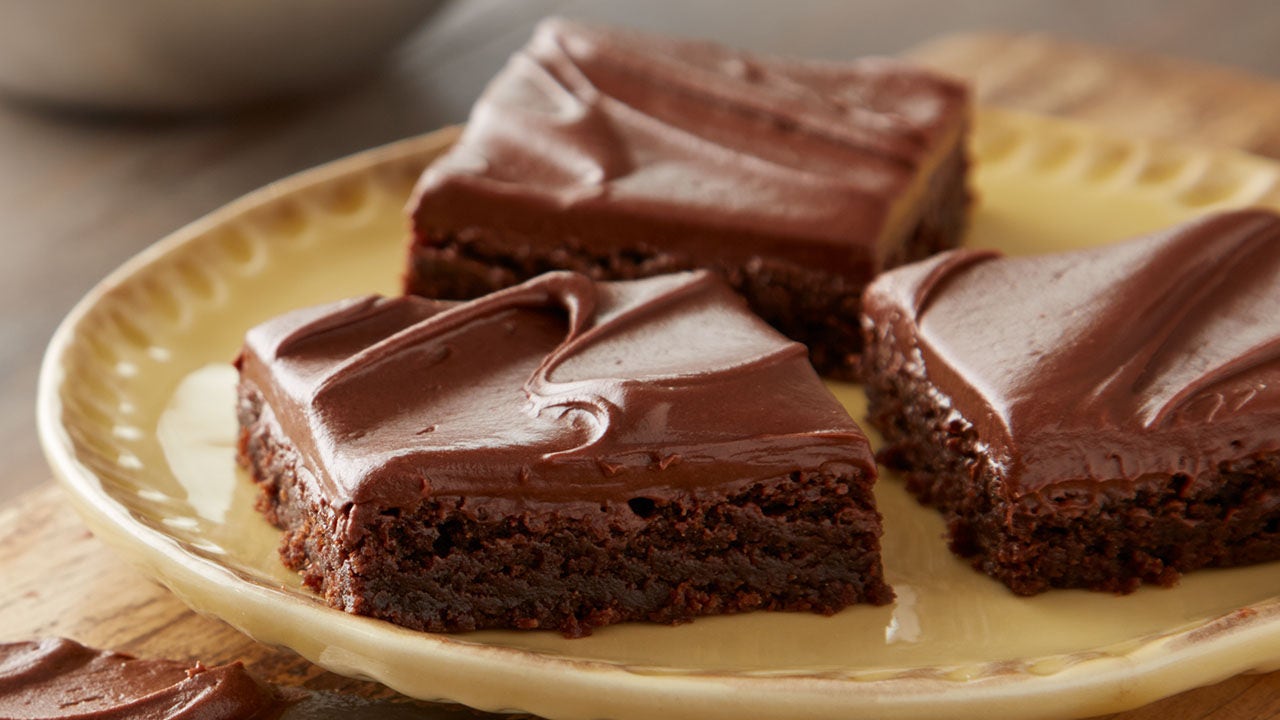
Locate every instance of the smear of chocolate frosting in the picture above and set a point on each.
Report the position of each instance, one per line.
(726, 151)
(59, 678)
(1149, 358)
(560, 390)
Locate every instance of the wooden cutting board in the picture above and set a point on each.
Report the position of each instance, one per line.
(58, 580)
(1137, 94)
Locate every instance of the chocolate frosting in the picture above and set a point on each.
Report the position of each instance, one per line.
(560, 390)
(719, 153)
(59, 678)
(1141, 360)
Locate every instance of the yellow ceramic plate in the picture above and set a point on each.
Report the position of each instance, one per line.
(136, 417)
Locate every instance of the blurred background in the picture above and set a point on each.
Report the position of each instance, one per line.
(122, 121)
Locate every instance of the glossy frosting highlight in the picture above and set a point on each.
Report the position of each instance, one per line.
(1153, 357)
(726, 150)
(561, 389)
(59, 678)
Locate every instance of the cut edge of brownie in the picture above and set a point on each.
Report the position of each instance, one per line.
(1105, 539)
(803, 542)
(816, 307)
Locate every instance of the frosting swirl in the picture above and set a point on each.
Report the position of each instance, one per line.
(722, 153)
(1154, 357)
(560, 390)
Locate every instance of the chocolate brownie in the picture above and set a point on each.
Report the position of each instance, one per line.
(621, 155)
(561, 454)
(1093, 419)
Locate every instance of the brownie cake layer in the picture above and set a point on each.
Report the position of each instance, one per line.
(621, 155)
(562, 454)
(1096, 419)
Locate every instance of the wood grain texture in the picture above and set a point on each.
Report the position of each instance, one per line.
(60, 580)
(1124, 90)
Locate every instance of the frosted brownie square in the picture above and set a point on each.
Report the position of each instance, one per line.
(621, 155)
(562, 454)
(1092, 419)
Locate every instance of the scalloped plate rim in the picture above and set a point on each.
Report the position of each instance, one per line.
(1113, 681)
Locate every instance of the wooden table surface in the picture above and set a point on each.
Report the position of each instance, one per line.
(78, 195)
